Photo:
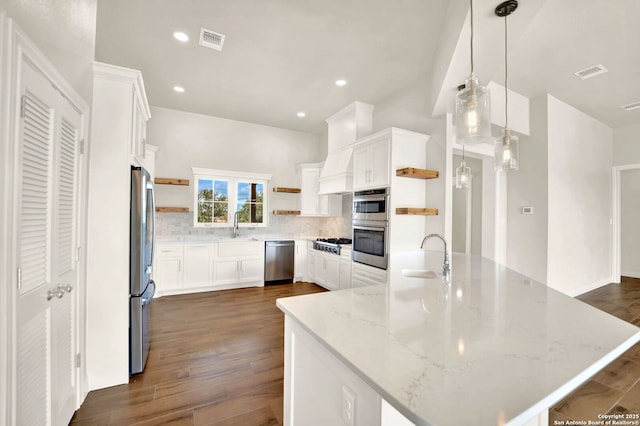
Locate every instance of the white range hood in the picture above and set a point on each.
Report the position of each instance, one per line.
(345, 127)
(336, 177)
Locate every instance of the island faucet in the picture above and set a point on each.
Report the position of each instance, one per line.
(445, 263)
(236, 231)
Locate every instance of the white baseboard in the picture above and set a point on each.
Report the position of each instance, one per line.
(632, 274)
(589, 287)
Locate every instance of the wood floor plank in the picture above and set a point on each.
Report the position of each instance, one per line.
(263, 416)
(210, 354)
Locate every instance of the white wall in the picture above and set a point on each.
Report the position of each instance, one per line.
(527, 234)
(630, 222)
(188, 140)
(65, 31)
(408, 110)
(626, 146)
(579, 230)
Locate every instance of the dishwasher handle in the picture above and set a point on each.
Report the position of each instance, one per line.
(280, 243)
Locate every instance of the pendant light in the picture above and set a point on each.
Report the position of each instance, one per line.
(506, 146)
(463, 174)
(472, 119)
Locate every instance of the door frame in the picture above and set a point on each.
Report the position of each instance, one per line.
(616, 228)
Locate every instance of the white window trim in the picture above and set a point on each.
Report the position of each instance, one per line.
(233, 177)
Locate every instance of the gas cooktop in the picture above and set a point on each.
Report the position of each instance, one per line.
(330, 245)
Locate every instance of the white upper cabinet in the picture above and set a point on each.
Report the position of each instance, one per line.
(371, 165)
(311, 203)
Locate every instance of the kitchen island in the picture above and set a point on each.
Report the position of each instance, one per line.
(491, 347)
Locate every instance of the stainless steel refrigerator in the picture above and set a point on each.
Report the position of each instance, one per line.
(141, 286)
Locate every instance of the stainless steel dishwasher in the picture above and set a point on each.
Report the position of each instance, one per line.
(278, 261)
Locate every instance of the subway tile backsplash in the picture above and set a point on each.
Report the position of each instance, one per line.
(181, 224)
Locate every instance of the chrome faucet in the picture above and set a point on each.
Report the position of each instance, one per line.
(446, 270)
(236, 230)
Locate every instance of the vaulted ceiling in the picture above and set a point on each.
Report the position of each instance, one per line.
(281, 56)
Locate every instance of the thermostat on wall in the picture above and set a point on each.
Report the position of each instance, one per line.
(527, 210)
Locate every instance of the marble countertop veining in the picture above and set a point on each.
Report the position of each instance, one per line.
(493, 347)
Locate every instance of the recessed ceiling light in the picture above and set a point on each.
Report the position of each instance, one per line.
(341, 83)
(178, 89)
(180, 36)
(301, 114)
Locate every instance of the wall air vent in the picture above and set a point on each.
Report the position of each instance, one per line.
(631, 106)
(591, 72)
(211, 39)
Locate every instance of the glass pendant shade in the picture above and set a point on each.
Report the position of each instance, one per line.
(472, 118)
(463, 175)
(506, 151)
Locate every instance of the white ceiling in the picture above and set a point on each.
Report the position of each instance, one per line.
(283, 56)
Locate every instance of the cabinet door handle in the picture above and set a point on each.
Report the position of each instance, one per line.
(241, 266)
(179, 265)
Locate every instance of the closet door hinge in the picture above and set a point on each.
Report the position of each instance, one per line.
(81, 146)
(19, 278)
(78, 360)
(78, 253)
(23, 101)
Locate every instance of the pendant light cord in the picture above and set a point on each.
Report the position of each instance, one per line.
(506, 91)
(471, 3)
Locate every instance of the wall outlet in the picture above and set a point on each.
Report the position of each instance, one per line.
(348, 406)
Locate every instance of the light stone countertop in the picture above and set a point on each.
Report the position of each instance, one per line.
(202, 239)
(493, 347)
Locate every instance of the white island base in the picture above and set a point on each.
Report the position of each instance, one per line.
(493, 347)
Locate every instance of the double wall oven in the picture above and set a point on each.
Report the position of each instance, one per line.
(371, 227)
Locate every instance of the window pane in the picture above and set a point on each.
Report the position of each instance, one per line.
(244, 192)
(204, 212)
(220, 211)
(221, 192)
(205, 190)
(243, 212)
(258, 210)
(258, 189)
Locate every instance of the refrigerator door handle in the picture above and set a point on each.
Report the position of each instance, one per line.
(152, 191)
(146, 300)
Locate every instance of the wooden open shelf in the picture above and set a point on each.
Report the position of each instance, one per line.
(286, 190)
(171, 181)
(286, 212)
(172, 209)
(417, 173)
(417, 211)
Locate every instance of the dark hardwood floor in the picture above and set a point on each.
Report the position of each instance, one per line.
(216, 359)
(615, 389)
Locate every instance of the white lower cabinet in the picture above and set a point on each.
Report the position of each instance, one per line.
(239, 262)
(345, 274)
(168, 268)
(300, 261)
(327, 271)
(188, 267)
(198, 265)
(363, 275)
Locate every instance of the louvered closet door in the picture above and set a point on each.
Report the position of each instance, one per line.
(64, 380)
(47, 217)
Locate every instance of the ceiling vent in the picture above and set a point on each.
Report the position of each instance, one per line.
(631, 106)
(211, 39)
(591, 72)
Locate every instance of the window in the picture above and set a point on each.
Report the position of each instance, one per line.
(220, 194)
